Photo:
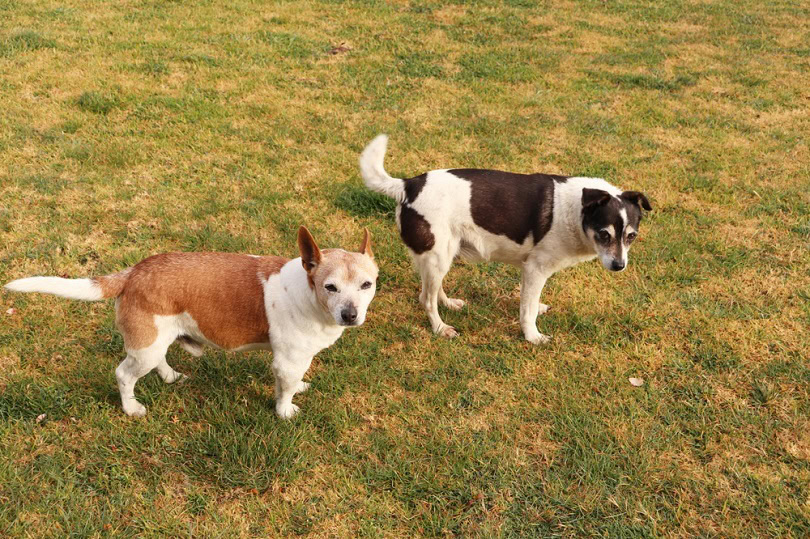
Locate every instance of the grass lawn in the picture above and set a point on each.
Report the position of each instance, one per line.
(136, 127)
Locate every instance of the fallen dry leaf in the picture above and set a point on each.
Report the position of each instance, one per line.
(11, 311)
(338, 49)
(41, 417)
(637, 382)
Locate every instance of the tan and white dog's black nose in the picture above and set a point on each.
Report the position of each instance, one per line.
(349, 315)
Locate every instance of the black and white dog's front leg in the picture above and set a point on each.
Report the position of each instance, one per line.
(531, 286)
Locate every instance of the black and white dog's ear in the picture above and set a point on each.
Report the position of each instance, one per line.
(594, 197)
(637, 198)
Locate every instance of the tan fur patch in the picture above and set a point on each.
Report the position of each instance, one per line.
(222, 292)
(353, 263)
(112, 285)
(338, 260)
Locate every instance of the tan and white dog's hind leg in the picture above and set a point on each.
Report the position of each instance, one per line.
(191, 346)
(141, 361)
(137, 364)
(168, 374)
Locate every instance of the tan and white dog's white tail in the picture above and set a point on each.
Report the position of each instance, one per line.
(373, 171)
(109, 286)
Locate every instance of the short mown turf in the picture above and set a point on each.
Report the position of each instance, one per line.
(136, 127)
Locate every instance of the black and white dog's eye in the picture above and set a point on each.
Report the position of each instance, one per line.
(631, 236)
(331, 288)
(603, 235)
(366, 285)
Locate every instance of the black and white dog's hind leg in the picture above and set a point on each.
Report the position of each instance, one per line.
(433, 265)
(454, 304)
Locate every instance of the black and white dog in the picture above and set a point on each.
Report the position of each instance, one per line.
(539, 222)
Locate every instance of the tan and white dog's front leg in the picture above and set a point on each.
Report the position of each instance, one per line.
(531, 286)
(289, 381)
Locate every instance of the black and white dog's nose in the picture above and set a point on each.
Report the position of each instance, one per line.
(349, 314)
(617, 265)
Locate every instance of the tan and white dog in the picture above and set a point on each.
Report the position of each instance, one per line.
(230, 301)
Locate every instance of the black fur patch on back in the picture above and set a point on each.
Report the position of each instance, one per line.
(413, 186)
(415, 230)
(511, 205)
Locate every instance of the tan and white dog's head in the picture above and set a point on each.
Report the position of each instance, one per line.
(344, 282)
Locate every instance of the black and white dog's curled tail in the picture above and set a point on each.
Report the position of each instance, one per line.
(373, 171)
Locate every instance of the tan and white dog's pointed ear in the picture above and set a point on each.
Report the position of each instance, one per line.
(310, 254)
(365, 248)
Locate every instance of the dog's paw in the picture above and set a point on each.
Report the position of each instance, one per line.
(176, 378)
(135, 409)
(448, 332)
(454, 304)
(286, 410)
(543, 309)
(538, 339)
(302, 386)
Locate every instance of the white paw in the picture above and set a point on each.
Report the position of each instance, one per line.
(448, 332)
(302, 386)
(543, 309)
(176, 378)
(454, 304)
(286, 410)
(134, 408)
(539, 338)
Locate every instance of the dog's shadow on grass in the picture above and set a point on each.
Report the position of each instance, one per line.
(223, 413)
(360, 202)
(214, 374)
(243, 444)
(26, 398)
(90, 381)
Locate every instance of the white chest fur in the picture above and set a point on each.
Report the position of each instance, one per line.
(298, 324)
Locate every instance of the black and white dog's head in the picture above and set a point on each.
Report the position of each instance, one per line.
(611, 223)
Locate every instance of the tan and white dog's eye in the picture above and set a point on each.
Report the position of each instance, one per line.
(331, 288)
(366, 285)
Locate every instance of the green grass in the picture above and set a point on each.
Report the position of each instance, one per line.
(135, 129)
